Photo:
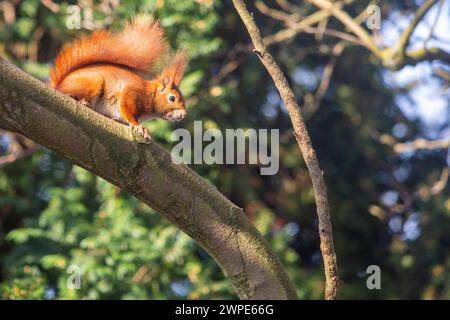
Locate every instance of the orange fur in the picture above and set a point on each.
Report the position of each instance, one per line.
(103, 71)
(138, 46)
(177, 66)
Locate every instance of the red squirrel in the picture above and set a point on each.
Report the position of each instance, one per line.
(107, 72)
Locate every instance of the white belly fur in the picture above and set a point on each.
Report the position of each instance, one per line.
(109, 106)
(108, 109)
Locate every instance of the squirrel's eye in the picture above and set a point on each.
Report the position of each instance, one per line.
(171, 98)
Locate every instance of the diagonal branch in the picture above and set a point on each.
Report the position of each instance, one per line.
(145, 170)
(433, 26)
(350, 23)
(407, 33)
(276, 14)
(286, 6)
(312, 102)
(306, 148)
(295, 28)
(394, 57)
(422, 144)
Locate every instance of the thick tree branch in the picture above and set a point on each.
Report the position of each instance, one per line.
(145, 170)
(18, 147)
(306, 148)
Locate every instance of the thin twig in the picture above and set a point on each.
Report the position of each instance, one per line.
(422, 144)
(334, 33)
(406, 35)
(276, 14)
(10, 158)
(297, 27)
(312, 102)
(306, 148)
(53, 7)
(111, 151)
(395, 57)
(305, 25)
(294, 29)
(441, 183)
(433, 26)
(286, 6)
(365, 13)
(350, 23)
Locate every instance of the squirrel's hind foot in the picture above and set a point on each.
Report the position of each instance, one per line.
(85, 103)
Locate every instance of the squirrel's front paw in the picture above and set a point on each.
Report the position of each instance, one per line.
(144, 131)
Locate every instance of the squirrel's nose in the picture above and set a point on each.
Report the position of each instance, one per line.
(179, 114)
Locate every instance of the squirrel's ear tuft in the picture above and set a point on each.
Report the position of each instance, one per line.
(166, 81)
(177, 66)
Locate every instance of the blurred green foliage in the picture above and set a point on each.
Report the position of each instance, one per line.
(123, 248)
(54, 215)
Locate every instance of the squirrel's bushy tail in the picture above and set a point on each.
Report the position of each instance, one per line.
(138, 46)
